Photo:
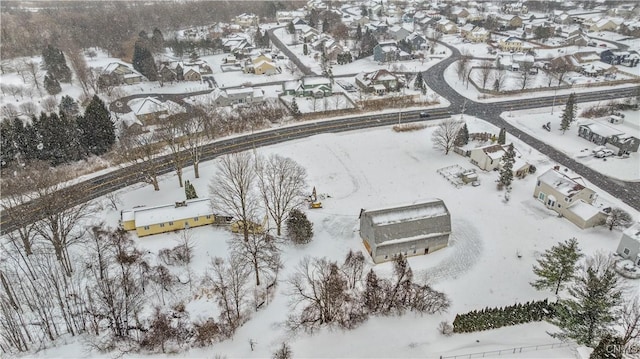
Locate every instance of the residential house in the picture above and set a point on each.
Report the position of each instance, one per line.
(389, 51)
(511, 44)
(446, 26)
(261, 65)
(117, 73)
(577, 40)
(477, 34)
(629, 247)
(309, 35)
(246, 20)
(308, 86)
(605, 24)
(409, 230)
(632, 60)
(612, 138)
(236, 96)
(415, 41)
(172, 71)
(398, 32)
(510, 21)
(236, 45)
(168, 218)
(459, 14)
(149, 110)
(614, 57)
(192, 73)
(569, 198)
(488, 157)
(379, 82)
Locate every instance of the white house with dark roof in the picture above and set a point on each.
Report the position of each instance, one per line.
(408, 230)
(629, 247)
(569, 198)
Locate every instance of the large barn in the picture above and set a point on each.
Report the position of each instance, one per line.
(414, 229)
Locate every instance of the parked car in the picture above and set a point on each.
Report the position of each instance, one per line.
(604, 153)
(598, 149)
(424, 114)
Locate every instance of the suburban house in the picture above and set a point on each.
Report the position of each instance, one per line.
(416, 41)
(236, 45)
(488, 157)
(168, 218)
(614, 57)
(477, 34)
(229, 97)
(149, 109)
(510, 21)
(379, 82)
(511, 44)
(446, 26)
(117, 74)
(615, 139)
(398, 32)
(315, 86)
(629, 247)
(389, 51)
(246, 20)
(569, 198)
(261, 65)
(577, 40)
(409, 230)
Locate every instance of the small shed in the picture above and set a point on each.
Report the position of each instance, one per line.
(408, 230)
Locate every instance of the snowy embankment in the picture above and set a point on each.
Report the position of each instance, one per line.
(488, 263)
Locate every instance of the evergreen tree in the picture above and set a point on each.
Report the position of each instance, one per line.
(557, 266)
(325, 26)
(305, 50)
(143, 61)
(502, 136)
(358, 33)
(68, 106)
(569, 113)
(506, 172)
(55, 64)
(418, 83)
(26, 138)
(189, 190)
(59, 139)
(609, 347)
(291, 28)
(299, 228)
(588, 313)
(157, 41)
(372, 297)
(8, 150)
(295, 111)
(462, 138)
(97, 131)
(51, 85)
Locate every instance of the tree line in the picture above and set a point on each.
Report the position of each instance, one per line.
(493, 318)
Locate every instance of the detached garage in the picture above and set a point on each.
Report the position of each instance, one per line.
(409, 230)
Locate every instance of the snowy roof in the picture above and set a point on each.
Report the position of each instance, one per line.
(314, 81)
(170, 213)
(603, 130)
(563, 184)
(240, 91)
(583, 210)
(148, 105)
(428, 209)
(633, 232)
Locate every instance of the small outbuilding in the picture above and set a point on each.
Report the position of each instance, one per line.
(409, 230)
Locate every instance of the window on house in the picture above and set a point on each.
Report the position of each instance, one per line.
(626, 251)
(538, 183)
(146, 228)
(386, 256)
(208, 216)
(541, 196)
(171, 223)
(161, 225)
(195, 219)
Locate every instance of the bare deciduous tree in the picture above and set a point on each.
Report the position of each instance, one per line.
(260, 254)
(170, 133)
(141, 150)
(193, 130)
(49, 104)
(630, 322)
(232, 189)
(525, 75)
(28, 108)
(485, 72)
(444, 136)
(282, 182)
(33, 74)
(229, 283)
(353, 268)
(499, 78)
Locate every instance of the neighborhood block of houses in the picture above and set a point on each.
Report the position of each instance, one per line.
(409, 230)
(569, 198)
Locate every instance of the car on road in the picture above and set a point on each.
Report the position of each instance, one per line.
(604, 153)
(424, 114)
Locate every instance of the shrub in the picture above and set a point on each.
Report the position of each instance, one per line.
(299, 228)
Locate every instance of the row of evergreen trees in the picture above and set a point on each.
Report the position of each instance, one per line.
(492, 318)
(58, 138)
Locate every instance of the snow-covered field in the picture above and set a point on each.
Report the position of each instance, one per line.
(373, 168)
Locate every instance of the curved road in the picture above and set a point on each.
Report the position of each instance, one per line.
(628, 192)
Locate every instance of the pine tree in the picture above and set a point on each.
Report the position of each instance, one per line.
(502, 136)
(372, 297)
(97, 131)
(557, 266)
(157, 41)
(506, 172)
(609, 347)
(59, 139)
(305, 50)
(55, 64)
(299, 228)
(462, 138)
(418, 83)
(51, 85)
(358, 33)
(569, 113)
(68, 106)
(291, 28)
(8, 150)
(588, 313)
(189, 190)
(143, 61)
(295, 111)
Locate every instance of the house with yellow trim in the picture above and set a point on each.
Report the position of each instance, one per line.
(167, 218)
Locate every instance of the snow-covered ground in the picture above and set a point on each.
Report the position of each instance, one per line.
(373, 168)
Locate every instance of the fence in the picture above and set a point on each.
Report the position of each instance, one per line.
(516, 350)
